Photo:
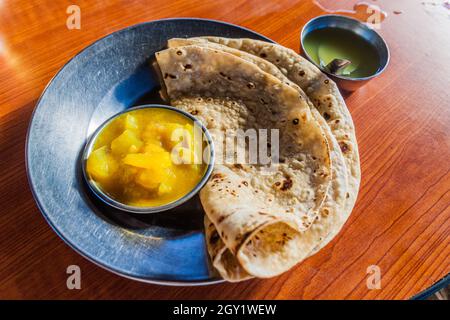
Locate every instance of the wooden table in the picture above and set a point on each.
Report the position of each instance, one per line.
(401, 222)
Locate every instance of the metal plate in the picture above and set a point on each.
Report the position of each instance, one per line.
(105, 78)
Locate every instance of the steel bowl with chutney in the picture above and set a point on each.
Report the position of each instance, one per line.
(344, 48)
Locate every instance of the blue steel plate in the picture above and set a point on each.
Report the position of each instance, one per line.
(107, 77)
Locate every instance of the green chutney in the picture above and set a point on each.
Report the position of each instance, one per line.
(326, 44)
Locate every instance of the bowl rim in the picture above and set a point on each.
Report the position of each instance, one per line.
(363, 25)
(97, 191)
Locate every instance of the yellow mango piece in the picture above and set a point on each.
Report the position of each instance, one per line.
(161, 159)
(151, 178)
(101, 165)
(131, 122)
(153, 147)
(139, 160)
(127, 142)
(148, 160)
(164, 189)
(147, 180)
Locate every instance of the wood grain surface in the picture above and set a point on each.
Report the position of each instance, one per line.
(401, 221)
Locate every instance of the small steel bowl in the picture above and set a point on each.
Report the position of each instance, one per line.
(137, 209)
(360, 29)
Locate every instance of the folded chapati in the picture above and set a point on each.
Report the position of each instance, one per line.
(256, 230)
(336, 197)
(259, 217)
(323, 93)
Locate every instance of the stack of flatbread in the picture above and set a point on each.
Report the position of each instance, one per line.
(259, 224)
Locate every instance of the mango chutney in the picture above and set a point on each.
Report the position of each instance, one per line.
(148, 157)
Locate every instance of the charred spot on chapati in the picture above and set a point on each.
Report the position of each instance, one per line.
(168, 75)
(325, 212)
(344, 147)
(214, 237)
(287, 184)
(217, 176)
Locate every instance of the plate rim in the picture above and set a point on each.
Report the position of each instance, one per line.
(30, 180)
